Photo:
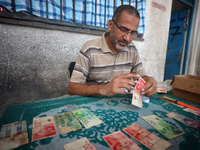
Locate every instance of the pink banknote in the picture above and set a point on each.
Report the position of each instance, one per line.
(43, 127)
(147, 138)
(140, 84)
(119, 141)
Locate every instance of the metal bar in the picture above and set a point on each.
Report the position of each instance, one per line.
(105, 16)
(60, 10)
(95, 12)
(136, 4)
(129, 2)
(47, 13)
(185, 63)
(113, 7)
(13, 6)
(186, 3)
(85, 11)
(73, 10)
(122, 2)
(31, 8)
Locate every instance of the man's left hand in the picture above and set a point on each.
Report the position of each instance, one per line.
(150, 88)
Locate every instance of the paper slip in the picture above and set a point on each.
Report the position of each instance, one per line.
(137, 99)
(81, 144)
(195, 112)
(119, 141)
(185, 120)
(67, 122)
(87, 118)
(43, 127)
(164, 128)
(13, 135)
(147, 138)
(161, 88)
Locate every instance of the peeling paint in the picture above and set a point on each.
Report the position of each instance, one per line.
(159, 6)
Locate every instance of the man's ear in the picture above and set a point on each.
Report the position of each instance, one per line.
(110, 24)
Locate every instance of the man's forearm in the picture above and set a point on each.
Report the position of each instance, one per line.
(84, 89)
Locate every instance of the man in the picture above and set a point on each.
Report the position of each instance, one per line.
(105, 66)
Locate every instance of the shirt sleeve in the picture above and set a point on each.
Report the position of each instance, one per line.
(81, 68)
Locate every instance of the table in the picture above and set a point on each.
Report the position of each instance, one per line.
(116, 113)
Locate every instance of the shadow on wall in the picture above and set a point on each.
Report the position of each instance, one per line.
(20, 86)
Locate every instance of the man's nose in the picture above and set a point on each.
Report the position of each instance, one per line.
(128, 37)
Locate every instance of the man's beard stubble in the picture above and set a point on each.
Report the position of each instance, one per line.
(115, 42)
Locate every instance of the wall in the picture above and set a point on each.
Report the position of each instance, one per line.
(193, 63)
(34, 62)
(153, 49)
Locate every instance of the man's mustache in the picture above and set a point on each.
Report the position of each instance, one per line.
(123, 41)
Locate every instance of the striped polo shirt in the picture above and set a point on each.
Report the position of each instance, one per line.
(97, 64)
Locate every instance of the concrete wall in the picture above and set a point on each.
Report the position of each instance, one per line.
(193, 63)
(153, 49)
(34, 62)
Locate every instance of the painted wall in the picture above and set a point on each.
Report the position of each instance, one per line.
(34, 62)
(193, 63)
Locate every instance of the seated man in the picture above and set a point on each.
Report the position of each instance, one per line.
(107, 65)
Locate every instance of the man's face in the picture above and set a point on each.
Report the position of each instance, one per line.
(126, 22)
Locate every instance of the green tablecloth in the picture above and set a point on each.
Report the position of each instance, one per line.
(116, 113)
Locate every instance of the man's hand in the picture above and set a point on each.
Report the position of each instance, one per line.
(119, 82)
(150, 88)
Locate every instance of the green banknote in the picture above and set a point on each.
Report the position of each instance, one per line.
(87, 118)
(67, 122)
(164, 128)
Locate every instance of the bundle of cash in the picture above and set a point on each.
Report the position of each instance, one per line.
(13, 135)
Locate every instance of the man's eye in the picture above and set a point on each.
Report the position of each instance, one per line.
(133, 32)
(124, 30)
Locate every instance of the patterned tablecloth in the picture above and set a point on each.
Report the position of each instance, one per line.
(116, 113)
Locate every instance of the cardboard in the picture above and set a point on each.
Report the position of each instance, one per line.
(187, 87)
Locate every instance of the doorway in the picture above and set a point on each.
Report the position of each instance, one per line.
(179, 38)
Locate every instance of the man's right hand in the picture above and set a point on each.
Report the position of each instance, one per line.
(119, 82)
(109, 89)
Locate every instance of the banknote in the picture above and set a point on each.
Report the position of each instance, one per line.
(164, 128)
(87, 118)
(119, 141)
(147, 138)
(81, 144)
(185, 120)
(161, 88)
(67, 122)
(137, 99)
(140, 84)
(195, 112)
(153, 142)
(43, 127)
(13, 135)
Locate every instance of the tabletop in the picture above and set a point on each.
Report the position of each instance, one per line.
(116, 113)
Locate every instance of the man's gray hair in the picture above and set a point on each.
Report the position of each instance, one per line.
(130, 9)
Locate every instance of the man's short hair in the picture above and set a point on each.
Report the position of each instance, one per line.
(130, 9)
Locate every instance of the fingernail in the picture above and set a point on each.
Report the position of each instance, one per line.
(143, 93)
(142, 89)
